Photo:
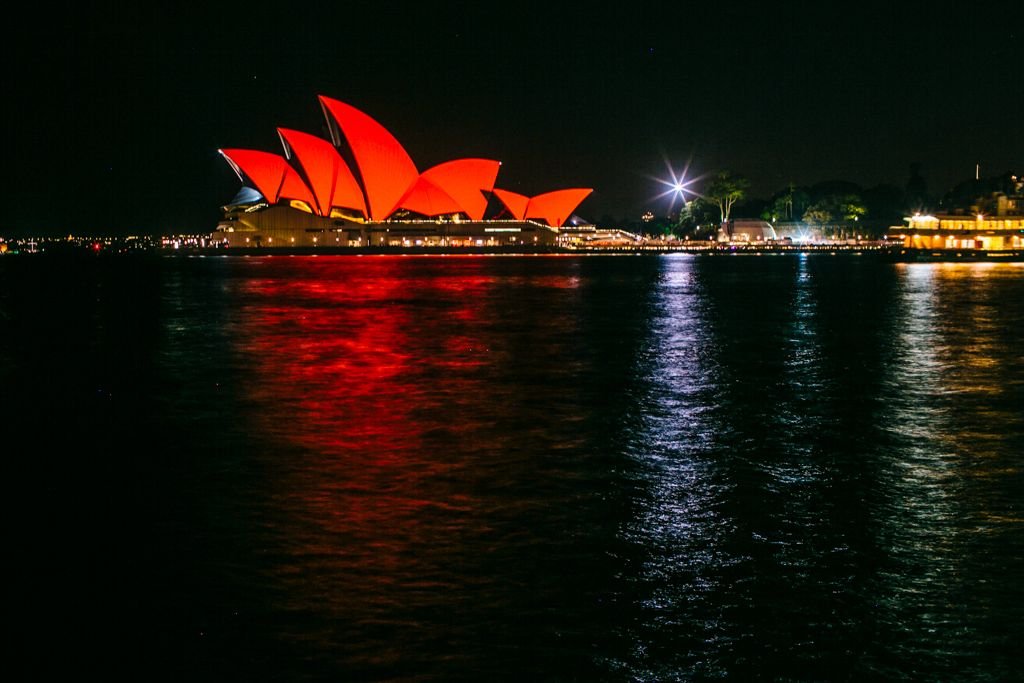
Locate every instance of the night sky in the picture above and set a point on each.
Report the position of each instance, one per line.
(115, 112)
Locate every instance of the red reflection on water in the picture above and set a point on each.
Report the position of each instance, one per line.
(346, 361)
(364, 374)
(401, 445)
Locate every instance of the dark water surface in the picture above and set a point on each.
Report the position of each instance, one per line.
(555, 468)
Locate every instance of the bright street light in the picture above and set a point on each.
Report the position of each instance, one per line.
(677, 184)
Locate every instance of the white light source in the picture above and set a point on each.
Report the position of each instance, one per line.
(678, 185)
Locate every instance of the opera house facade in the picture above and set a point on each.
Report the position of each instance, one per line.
(311, 196)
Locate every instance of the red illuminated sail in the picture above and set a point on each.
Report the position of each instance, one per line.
(386, 169)
(465, 181)
(329, 176)
(388, 179)
(514, 202)
(270, 173)
(426, 198)
(556, 207)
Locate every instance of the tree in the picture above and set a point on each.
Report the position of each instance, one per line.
(818, 213)
(660, 226)
(724, 191)
(836, 213)
(787, 205)
(697, 217)
(780, 208)
(851, 208)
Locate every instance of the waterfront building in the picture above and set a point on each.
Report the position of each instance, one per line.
(284, 226)
(800, 232)
(743, 230)
(577, 233)
(989, 233)
(310, 197)
(996, 224)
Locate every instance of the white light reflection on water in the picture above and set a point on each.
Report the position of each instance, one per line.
(732, 477)
(677, 522)
(813, 473)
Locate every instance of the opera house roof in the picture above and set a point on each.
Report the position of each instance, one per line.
(314, 176)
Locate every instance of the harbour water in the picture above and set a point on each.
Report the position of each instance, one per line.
(514, 468)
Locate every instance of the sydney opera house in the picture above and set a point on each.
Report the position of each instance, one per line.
(311, 196)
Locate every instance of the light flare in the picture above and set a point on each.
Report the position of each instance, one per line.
(678, 185)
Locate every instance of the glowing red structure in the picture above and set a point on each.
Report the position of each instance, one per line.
(554, 207)
(387, 171)
(426, 198)
(270, 173)
(465, 180)
(514, 202)
(329, 176)
(389, 179)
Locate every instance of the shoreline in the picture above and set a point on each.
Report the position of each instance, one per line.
(890, 253)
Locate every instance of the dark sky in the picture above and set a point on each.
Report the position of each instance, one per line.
(116, 112)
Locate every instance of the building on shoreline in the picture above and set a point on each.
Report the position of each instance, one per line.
(994, 224)
(743, 230)
(311, 197)
(988, 233)
(285, 227)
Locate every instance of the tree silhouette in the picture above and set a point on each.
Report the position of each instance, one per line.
(724, 191)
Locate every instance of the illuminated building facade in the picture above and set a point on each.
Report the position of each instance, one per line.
(311, 197)
(999, 228)
(988, 233)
